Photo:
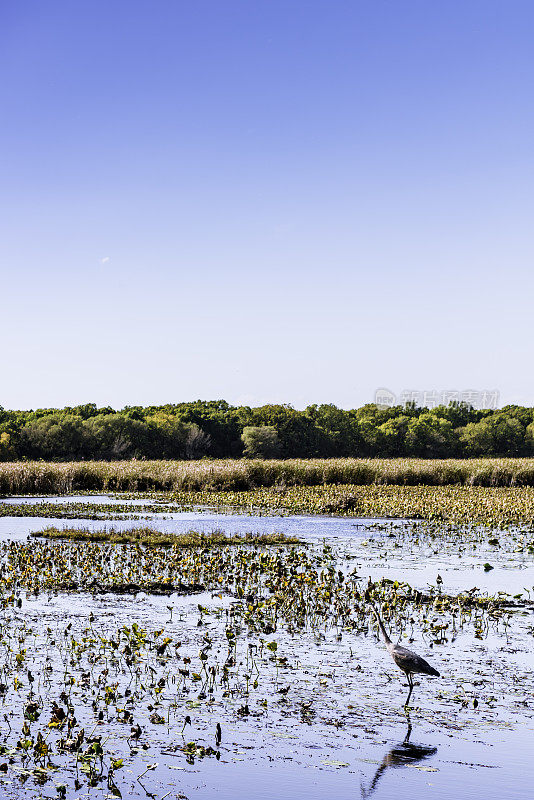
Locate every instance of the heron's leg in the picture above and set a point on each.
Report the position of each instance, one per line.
(408, 734)
(410, 684)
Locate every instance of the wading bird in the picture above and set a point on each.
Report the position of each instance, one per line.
(407, 661)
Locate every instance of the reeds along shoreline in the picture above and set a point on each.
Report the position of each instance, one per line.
(38, 477)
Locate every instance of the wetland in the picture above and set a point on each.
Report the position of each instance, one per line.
(160, 645)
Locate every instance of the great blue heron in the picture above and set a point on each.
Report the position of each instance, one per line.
(406, 660)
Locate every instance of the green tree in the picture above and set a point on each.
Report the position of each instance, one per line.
(168, 435)
(7, 451)
(458, 413)
(498, 435)
(260, 441)
(391, 436)
(337, 431)
(297, 433)
(54, 437)
(115, 436)
(429, 436)
(529, 439)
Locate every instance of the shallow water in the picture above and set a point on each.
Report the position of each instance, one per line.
(90, 499)
(339, 729)
(371, 549)
(350, 746)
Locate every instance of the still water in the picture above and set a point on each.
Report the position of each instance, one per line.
(356, 741)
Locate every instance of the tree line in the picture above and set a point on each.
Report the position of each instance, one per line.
(215, 429)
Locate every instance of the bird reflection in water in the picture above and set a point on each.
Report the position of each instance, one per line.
(402, 754)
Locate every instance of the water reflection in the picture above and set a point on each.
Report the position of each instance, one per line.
(403, 754)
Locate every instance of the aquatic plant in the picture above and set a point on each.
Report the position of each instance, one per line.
(153, 538)
(96, 700)
(495, 507)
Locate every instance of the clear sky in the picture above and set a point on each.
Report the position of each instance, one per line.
(265, 200)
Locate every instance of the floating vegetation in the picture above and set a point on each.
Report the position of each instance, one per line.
(76, 510)
(90, 702)
(418, 539)
(494, 507)
(153, 538)
(292, 583)
(38, 477)
(124, 656)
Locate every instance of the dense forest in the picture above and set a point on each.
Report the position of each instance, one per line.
(215, 429)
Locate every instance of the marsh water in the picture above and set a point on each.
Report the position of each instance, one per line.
(325, 716)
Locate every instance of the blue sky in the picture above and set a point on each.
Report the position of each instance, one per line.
(265, 201)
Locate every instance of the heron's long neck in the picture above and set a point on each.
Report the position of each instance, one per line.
(383, 633)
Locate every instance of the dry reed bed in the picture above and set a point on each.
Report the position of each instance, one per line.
(37, 477)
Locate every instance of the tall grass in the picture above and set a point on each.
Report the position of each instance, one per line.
(37, 477)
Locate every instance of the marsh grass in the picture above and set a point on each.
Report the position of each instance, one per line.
(153, 538)
(39, 477)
